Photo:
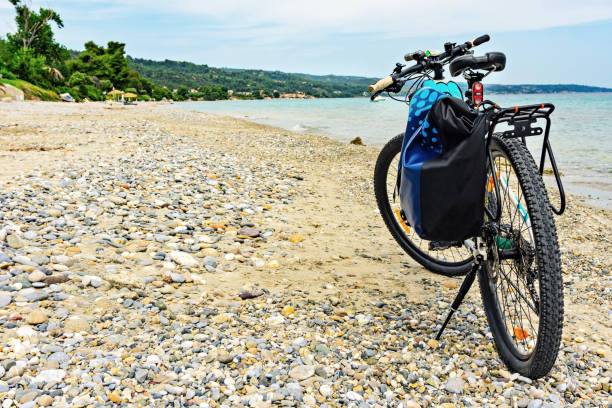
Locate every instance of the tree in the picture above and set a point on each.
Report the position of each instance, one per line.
(106, 85)
(34, 32)
(183, 92)
(109, 63)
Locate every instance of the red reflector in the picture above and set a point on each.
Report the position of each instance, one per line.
(477, 93)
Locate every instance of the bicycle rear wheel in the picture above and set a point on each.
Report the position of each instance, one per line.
(521, 285)
(444, 258)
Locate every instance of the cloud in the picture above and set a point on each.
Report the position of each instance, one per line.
(282, 19)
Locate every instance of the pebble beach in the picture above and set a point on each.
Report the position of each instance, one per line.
(151, 256)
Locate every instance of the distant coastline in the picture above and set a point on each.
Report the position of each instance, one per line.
(260, 84)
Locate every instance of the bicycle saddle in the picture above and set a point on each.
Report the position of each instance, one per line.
(490, 61)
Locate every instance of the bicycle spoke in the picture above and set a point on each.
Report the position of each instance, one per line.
(514, 298)
(450, 255)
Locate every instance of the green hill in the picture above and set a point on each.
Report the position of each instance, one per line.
(534, 88)
(173, 74)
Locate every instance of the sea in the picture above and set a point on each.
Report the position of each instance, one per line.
(581, 131)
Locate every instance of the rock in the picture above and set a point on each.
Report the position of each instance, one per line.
(221, 318)
(321, 372)
(77, 324)
(176, 277)
(44, 401)
(296, 238)
(5, 300)
(288, 310)
(248, 232)
(113, 397)
(37, 317)
(353, 396)
(47, 376)
(433, 343)
(250, 294)
(536, 403)
(24, 260)
(36, 276)
(183, 259)
(411, 404)
(275, 321)
(14, 241)
(224, 357)
(210, 261)
(56, 279)
(536, 393)
(60, 357)
(62, 260)
(356, 141)
(40, 259)
(15, 371)
(33, 295)
(141, 375)
(325, 390)
(455, 385)
(26, 332)
(302, 372)
(295, 390)
(28, 396)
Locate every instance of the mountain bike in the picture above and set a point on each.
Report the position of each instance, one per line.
(515, 255)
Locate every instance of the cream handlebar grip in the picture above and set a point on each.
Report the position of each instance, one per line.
(380, 85)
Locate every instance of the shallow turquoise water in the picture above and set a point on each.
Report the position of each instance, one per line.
(581, 133)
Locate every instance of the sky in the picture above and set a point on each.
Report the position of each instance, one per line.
(545, 41)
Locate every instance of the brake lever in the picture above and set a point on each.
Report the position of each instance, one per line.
(397, 86)
(374, 95)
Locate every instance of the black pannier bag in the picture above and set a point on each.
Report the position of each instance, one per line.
(443, 168)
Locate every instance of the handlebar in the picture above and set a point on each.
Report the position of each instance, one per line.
(424, 62)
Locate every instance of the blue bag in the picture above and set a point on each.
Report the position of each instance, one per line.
(442, 167)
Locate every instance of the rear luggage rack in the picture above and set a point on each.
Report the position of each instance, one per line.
(521, 119)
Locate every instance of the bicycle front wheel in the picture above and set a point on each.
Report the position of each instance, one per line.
(521, 285)
(443, 258)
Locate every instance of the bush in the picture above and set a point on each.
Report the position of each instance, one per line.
(5, 73)
(93, 93)
(145, 98)
(78, 79)
(29, 67)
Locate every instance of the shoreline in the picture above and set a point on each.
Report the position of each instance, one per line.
(589, 187)
(152, 221)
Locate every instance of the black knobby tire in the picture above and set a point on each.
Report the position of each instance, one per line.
(385, 176)
(523, 298)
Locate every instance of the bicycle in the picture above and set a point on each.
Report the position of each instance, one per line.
(515, 255)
